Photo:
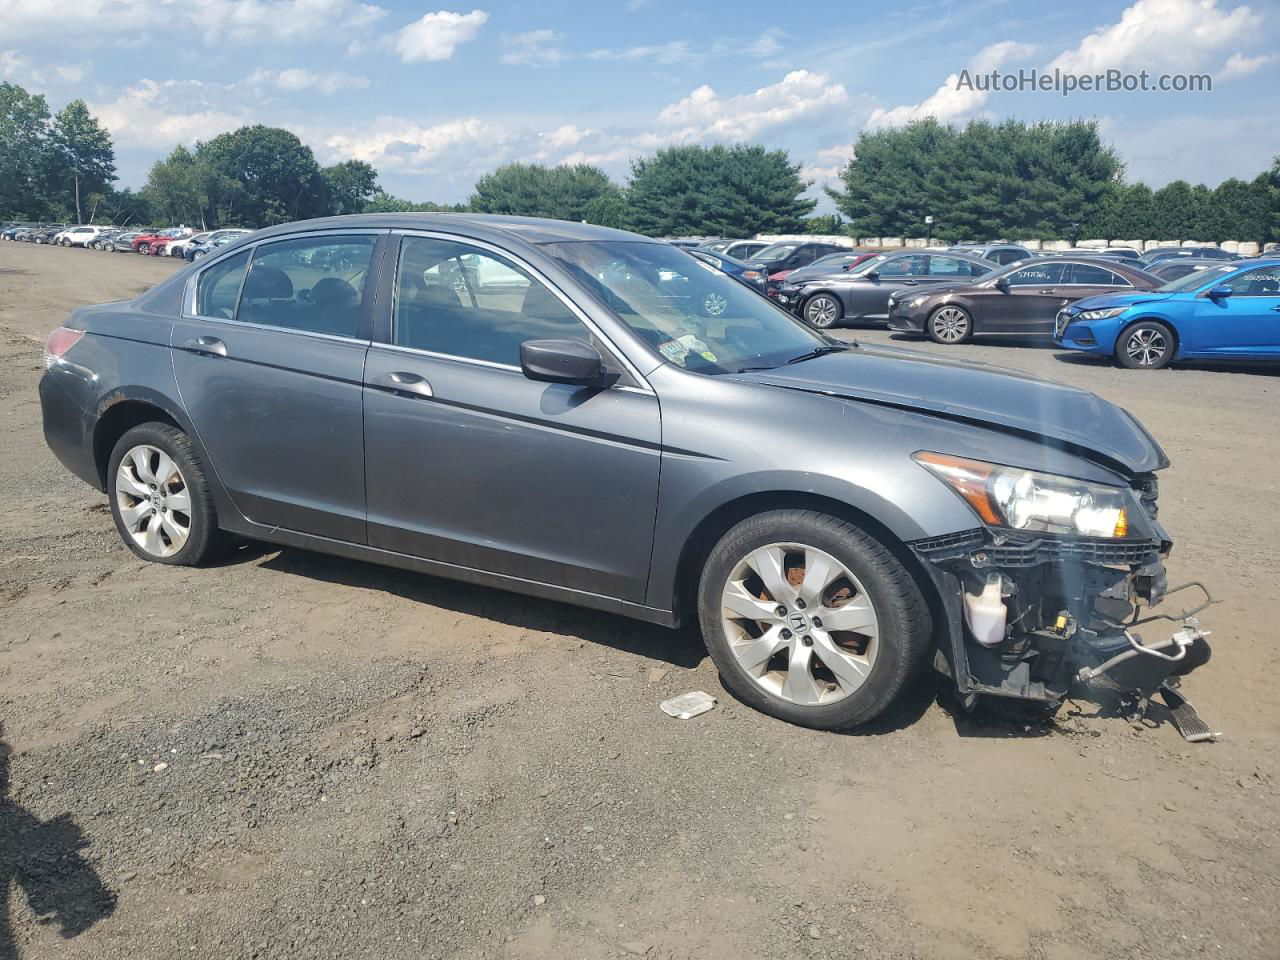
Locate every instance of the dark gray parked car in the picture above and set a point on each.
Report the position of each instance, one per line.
(862, 293)
(590, 416)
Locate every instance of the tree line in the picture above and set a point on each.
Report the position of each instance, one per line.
(1010, 179)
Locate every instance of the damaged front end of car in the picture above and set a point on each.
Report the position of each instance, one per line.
(1053, 595)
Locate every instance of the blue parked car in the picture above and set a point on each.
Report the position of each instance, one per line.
(1224, 312)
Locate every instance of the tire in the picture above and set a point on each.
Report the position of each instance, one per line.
(1146, 345)
(137, 498)
(143, 248)
(823, 310)
(877, 661)
(950, 325)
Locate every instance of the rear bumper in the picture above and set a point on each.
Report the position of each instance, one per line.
(68, 427)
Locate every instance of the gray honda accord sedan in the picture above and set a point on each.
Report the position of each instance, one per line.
(590, 416)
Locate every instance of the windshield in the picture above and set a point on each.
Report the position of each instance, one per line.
(868, 264)
(692, 314)
(775, 252)
(1194, 279)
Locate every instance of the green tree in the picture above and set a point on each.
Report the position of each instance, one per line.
(258, 175)
(1175, 212)
(383, 202)
(177, 188)
(827, 223)
(26, 153)
(736, 191)
(84, 150)
(1124, 214)
(350, 186)
(534, 190)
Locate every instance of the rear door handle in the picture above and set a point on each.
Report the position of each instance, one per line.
(210, 345)
(404, 382)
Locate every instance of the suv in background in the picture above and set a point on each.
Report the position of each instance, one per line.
(1001, 253)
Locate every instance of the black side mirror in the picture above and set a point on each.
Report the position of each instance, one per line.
(872, 274)
(562, 361)
(1219, 292)
(1002, 284)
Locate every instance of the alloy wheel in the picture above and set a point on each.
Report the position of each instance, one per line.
(1146, 346)
(153, 500)
(822, 311)
(951, 324)
(800, 624)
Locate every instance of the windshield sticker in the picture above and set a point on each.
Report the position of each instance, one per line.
(678, 350)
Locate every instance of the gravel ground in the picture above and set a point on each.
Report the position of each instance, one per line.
(291, 755)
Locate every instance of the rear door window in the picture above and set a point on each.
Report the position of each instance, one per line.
(312, 284)
(1087, 274)
(1041, 275)
(951, 267)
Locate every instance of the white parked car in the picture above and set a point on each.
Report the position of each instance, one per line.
(80, 236)
(179, 248)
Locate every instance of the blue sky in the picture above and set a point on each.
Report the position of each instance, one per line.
(434, 95)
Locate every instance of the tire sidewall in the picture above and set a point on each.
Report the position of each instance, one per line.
(898, 657)
(929, 327)
(1122, 343)
(176, 445)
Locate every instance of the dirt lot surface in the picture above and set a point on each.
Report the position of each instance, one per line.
(290, 755)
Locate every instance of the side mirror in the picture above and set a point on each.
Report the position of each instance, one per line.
(562, 361)
(872, 274)
(1219, 292)
(1003, 284)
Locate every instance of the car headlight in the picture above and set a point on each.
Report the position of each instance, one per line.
(1027, 500)
(1100, 314)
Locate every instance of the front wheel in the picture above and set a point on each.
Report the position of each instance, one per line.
(160, 497)
(950, 324)
(810, 619)
(822, 311)
(1147, 345)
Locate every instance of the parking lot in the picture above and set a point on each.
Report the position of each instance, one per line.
(292, 755)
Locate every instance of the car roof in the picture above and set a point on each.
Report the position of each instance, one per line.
(536, 230)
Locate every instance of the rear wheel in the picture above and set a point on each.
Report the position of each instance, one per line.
(144, 248)
(1147, 345)
(823, 311)
(160, 497)
(950, 324)
(810, 619)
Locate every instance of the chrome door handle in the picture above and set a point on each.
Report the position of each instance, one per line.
(211, 345)
(1050, 290)
(404, 382)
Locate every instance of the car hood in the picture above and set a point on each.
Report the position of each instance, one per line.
(1105, 300)
(1003, 400)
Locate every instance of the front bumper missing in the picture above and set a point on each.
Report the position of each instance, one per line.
(1073, 609)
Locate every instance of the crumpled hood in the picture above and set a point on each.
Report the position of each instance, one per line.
(1001, 399)
(1104, 300)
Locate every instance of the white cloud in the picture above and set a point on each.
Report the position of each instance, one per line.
(1160, 34)
(952, 101)
(704, 114)
(828, 165)
(296, 79)
(395, 144)
(18, 68)
(1238, 65)
(437, 35)
(674, 51)
(538, 48)
(144, 116)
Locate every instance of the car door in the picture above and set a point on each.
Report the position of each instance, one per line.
(1247, 322)
(946, 270)
(867, 297)
(1082, 280)
(1032, 293)
(269, 359)
(468, 462)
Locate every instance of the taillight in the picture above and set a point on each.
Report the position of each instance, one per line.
(59, 342)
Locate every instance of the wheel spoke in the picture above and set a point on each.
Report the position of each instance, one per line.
(141, 457)
(754, 654)
(767, 563)
(177, 533)
(165, 469)
(151, 540)
(738, 603)
(849, 669)
(126, 482)
(819, 571)
(800, 686)
(132, 515)
(181, 500)
(855, 616)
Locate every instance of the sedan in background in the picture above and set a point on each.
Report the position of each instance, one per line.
(1001, 253)
(1203, 253)
(741, 249)
(790, 255)
(1176, 267)
(1227, 312)
(734, 267)
(1020, 300)
(862, 294)
(198, 250)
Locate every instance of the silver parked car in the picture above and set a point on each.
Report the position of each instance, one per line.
(590, 416)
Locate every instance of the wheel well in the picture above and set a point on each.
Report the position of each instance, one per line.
(717, 523)
(118, 420)
(1173, 331)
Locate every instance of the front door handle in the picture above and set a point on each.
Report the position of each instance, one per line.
(210, 345)
(1049, 290)
(404, 382)
(1276, 308)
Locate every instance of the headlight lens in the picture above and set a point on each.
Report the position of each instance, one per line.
(1101, 314)
(1027, 500)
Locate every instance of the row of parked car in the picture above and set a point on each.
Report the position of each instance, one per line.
(180, 242)
(1141, 309)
